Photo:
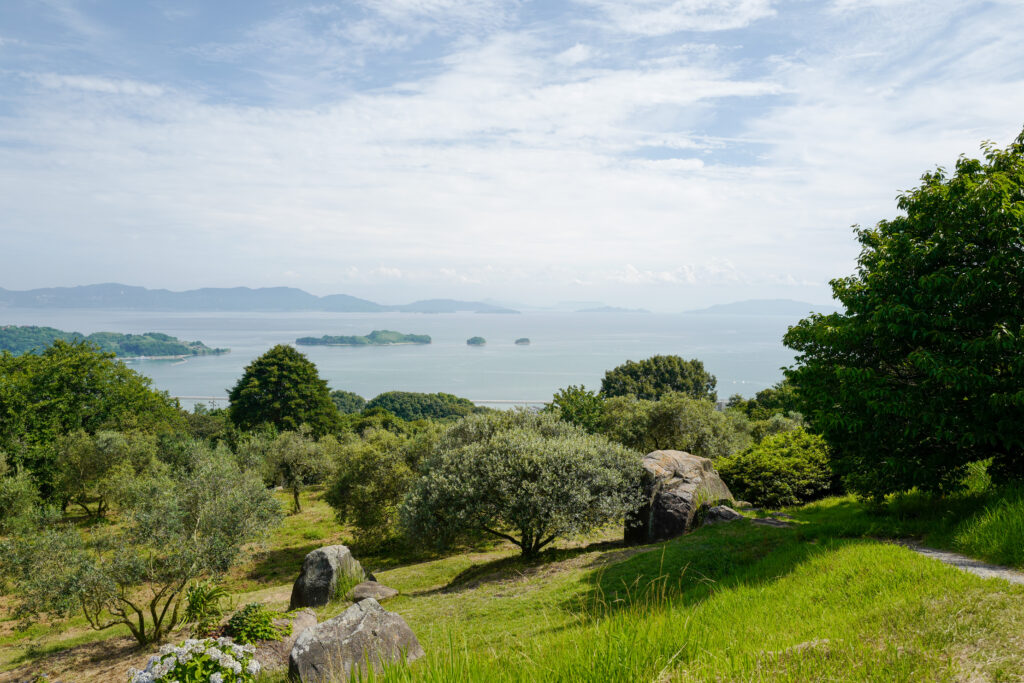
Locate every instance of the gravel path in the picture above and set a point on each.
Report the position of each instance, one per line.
(967, 564)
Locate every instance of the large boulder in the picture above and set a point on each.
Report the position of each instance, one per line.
(677, 485)
(273, 654)
(363, 636)
(321, 570)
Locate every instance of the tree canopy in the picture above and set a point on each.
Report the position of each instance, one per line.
(924, 371)
(282, 388)
(410, 405)
(66, 388)
(653, 377)
(526, 477)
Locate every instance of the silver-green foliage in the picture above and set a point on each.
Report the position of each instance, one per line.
(675, 422)
(174, 527)
(522, 476)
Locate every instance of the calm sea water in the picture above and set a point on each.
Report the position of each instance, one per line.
(744, 352)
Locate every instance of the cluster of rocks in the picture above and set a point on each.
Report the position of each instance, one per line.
(681, 491)
(364, 635)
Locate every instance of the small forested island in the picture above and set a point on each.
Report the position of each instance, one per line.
(523, 341)
(375, 338)
(33, 339)
(476, 341)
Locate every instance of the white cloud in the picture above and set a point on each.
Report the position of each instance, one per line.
(98, 84)
(509, 163)
(662, 17)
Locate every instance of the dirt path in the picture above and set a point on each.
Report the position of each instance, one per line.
(967, 564)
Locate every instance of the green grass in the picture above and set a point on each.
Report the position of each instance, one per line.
(988, 525)
(824, 600)
(731, 602)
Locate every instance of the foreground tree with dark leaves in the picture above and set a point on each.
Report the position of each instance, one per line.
(924, 372)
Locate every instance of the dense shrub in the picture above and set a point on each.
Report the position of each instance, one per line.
(788, 468)
(255, 622)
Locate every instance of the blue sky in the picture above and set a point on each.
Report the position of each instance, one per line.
(658, 153)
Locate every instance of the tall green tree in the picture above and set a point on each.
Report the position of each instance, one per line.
(66, 388)
(924, 371)
(282, 388)
(656, 376)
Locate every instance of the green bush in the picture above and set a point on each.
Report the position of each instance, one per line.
(255, 622)
(789, 468)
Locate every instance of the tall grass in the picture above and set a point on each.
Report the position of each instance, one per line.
(996, 533)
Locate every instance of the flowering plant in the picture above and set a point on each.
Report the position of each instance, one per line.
(200, 661)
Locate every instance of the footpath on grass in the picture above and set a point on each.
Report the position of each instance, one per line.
(967, 564)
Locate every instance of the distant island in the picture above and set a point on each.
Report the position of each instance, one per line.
(32, 339)
(476, 341)
(787, 307)
(612, 309)
(265, 299)
(523, 341)
(375, 338)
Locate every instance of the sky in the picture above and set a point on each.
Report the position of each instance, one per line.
(664, 154)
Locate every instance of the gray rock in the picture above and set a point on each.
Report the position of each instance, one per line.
(364, 635)
(318, 580)
(273, 654)
(721, 513)
(370, 589)
(676, 485)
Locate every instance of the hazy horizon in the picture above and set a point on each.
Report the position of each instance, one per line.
(658, 154)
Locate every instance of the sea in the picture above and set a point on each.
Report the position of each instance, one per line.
(744, 352)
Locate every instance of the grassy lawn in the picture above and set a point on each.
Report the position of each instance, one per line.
(823, 600)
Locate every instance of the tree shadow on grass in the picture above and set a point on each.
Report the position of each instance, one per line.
(550, 561)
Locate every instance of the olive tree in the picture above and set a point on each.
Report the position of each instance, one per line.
(922, 373)
(174, 528)
(676, 422)
(373, 475)
(524, 477)
(91, 467)
(295, 459)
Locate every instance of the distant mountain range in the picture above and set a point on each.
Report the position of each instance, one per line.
(766, 307)
(126, 297)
